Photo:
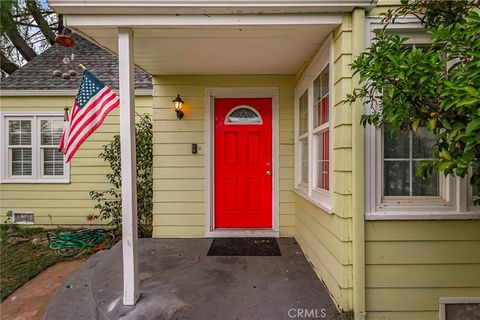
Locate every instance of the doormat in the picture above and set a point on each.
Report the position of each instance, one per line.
(244, 247)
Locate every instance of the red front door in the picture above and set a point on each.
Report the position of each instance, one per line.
(243, 163)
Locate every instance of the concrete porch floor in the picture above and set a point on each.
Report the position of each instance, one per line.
(179, 281)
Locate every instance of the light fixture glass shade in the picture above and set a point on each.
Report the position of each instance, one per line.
(178, 103)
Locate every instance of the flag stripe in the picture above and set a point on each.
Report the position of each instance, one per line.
(79, 113)
(93, 126)
(89, 115)
(99, 117)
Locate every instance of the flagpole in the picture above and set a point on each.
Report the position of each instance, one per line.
(82, 66)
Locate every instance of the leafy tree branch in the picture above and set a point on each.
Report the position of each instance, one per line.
(435, 86)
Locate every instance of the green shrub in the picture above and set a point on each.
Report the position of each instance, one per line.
(109, 202)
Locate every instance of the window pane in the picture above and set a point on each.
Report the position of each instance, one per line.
(422, 144)
(396, 145)
(397, 178)
(25, 132)
(323, 160)
(52, 162)
(21, 161)
(303, 113)
(20, 132)
(48, 155)
(14, 126)
(424, 187)
(48, 168)
(243, 115)
(21, 154)
(59, 169)
(304, 160)
(320, 99)
(17, 154)
(46, 133)
(14, 139)
(57, 131)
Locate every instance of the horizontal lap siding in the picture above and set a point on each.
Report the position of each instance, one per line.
(411, 264)
(326, 238)
(64, 204)
(179, 176)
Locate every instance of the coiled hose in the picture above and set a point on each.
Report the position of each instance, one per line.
(68, 244)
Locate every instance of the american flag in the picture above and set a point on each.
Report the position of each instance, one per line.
(93, 103)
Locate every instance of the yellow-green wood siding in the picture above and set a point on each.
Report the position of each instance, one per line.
(326, 237)
(59, 203)
(411, 264)
(179, 176)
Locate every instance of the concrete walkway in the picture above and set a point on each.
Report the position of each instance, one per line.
(30, 301)
(179, 281)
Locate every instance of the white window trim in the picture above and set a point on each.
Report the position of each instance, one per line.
(453, 202)
(442, 310)
(321, 198)
(36, 155)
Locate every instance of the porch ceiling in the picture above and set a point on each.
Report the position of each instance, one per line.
(219, 49)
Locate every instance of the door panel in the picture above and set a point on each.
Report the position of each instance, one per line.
(243, 163)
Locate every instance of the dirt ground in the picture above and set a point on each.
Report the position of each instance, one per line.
(30, 301)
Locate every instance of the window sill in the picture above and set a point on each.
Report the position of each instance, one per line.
(323, 204)
(427, 215)
(62, 181)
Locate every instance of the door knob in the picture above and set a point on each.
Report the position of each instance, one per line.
(269, 173)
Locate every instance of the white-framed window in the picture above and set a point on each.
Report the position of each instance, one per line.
(313, 127)
(30, 148)
(392, 188)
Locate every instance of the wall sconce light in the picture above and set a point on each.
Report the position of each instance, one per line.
(178, 106)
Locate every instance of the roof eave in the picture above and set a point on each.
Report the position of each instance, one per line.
(58, 93)
(207, 6)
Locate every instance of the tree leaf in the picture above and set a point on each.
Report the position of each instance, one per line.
(473, 125)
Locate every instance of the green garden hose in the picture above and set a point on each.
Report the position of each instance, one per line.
(68, 244)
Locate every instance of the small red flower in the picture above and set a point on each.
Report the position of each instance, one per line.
(90, 217)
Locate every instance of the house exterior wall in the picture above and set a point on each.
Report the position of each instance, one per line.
(326, 237)
(179, 175)
(411, 264)
(65, 204)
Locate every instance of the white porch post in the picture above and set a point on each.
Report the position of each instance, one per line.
(128, 161)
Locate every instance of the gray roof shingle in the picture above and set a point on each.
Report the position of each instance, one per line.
(37, 73)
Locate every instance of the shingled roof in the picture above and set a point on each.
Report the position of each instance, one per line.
(37, 73)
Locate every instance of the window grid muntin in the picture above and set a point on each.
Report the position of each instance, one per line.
(412, 173)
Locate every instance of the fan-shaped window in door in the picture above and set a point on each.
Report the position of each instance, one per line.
(243, 115)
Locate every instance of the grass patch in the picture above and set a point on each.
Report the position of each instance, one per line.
(25, 253)
(20, 259)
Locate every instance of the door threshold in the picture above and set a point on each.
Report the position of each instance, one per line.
(241, 233)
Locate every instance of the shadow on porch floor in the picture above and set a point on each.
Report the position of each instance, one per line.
(179, 281)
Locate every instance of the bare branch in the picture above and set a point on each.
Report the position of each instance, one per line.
(40, 20)
(7, 65)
